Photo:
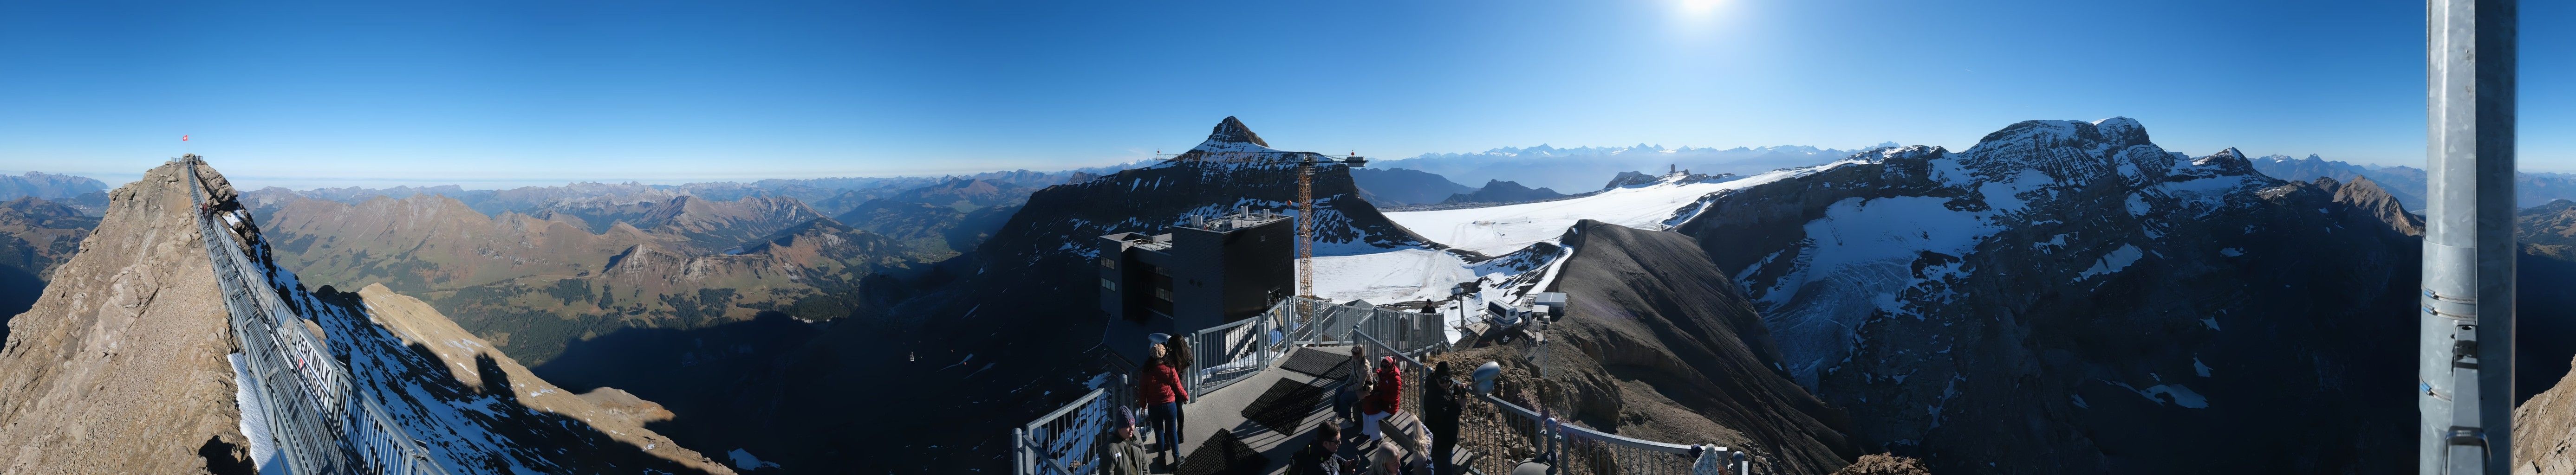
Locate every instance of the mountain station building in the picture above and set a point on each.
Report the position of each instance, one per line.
(1212, 272)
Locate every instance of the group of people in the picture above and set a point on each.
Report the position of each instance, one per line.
(1375, 394)
(1162, 390)
(1372, 395)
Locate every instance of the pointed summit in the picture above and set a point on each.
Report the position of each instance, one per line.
(2230, 161)
(1233, 131)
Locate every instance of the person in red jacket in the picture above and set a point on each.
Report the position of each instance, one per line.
(1162, 390)
(1384, 398)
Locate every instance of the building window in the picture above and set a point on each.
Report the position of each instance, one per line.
(1109, 285)
(1110, 263)
(1165, 294)
(1161, 271)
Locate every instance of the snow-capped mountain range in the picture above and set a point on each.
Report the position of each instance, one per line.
(2062, 294)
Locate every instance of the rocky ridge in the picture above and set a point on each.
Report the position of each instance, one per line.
(2065, 293)
(1498, 191)
(122, 366)
(1658, 344)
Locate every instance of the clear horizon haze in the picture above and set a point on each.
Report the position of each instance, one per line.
(511, 94)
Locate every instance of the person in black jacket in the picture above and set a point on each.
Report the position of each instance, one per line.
(1442, 399)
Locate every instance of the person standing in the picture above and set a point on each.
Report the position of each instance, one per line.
(1161, 390)
(1441, 403)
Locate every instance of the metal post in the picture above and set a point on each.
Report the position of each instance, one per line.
(2465, 342)
(1019, 452)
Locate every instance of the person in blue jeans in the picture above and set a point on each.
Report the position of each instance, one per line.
(1161, 390)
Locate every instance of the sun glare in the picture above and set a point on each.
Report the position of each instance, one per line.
(1698, 7)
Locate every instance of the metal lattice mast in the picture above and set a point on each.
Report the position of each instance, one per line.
(1306, 227)
(2465, 342)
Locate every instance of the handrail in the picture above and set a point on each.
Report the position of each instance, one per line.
(317, 425)
(1567, 446)
(1068, 407)
(1070, 432)
(1238, 353)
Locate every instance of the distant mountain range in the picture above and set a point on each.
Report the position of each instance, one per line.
(1585, 168)
(1397, 186)
(2408, 183)
(79, 192)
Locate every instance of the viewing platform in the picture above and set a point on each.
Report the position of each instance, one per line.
(1262, 386)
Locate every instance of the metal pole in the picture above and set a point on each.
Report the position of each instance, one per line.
(1019, 452)
(2465, 343)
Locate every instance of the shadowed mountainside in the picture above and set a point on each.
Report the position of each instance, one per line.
(1658, 344)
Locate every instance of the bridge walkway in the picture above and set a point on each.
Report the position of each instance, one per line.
(314, 423)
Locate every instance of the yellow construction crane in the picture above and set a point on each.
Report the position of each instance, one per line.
(1306, 162)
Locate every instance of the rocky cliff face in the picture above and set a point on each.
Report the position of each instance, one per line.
(2544, 431)
(122, 366)
(2066, 296)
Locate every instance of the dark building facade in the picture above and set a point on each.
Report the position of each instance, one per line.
(1211, 272)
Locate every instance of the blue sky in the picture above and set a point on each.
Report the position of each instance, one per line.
(382, 93)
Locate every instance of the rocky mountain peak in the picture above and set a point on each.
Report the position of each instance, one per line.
(2368, 198)
(2229, 161)
(2122, 129)
(2112, 133)
(2068, 152)
(1231, 130)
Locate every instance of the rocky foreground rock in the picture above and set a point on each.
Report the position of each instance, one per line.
(2544, 431)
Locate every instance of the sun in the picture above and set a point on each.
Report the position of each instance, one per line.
(1698, 7)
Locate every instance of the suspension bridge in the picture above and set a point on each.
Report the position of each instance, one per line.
(317, 423)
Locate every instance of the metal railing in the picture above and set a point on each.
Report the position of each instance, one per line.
(1225, 354)
(1319, 322)
(316, 425)
(1520, 433)
(1067, 441)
